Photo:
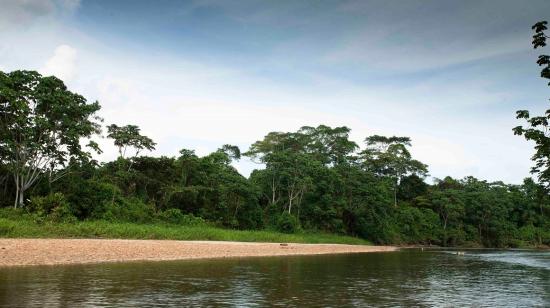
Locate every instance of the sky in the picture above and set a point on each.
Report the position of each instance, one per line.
(200, 74)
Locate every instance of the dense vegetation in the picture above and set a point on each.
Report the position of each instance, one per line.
(315, 179)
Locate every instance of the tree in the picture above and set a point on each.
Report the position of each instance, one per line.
(411, 187)
(448, 204)
(42, 124)
(266, 152)
(389, 156)
(292, 160)
(330, 146)
(129, 136)
(538, 129)
(232, 151)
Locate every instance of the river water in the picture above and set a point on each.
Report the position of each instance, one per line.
(407, 278)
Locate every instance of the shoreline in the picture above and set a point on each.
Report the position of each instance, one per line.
(29, 252)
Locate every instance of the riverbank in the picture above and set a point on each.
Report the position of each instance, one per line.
(26, 227)
(17, 252)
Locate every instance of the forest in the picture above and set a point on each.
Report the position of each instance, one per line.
(314, 179)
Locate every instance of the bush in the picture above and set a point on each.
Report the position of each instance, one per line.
(533, 236)
(417, 225)
(249, 217)
(129, 210)
(89, 197)
(175, 216)
(53, 206)
(62, 214)
(287, 223)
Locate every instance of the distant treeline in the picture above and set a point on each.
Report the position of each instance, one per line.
(315, 179)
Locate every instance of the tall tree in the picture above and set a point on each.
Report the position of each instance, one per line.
(129, 137)
(389, 156)
(267, 151)
(448, 204)
(42, 124)
(330, 146)
(538, 129)
(290, 160)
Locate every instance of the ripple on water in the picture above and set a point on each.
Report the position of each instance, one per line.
(406, 278)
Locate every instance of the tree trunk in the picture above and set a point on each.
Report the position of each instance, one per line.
(21, 197)
(16, 193)
(19, 191)
(273, 191)
(290, 205)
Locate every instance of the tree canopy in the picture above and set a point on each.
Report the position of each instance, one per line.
(129, 136)
(42, 126)
(538, 129)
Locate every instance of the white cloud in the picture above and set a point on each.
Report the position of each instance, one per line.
(62, 64)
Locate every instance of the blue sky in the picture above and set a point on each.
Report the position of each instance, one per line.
(198, 74)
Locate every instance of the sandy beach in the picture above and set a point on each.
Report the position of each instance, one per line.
(17, 252)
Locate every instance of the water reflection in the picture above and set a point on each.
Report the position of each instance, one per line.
(407, 278)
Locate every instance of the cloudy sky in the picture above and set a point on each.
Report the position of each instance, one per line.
(198, 74)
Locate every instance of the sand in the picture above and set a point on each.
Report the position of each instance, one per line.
(18, 252)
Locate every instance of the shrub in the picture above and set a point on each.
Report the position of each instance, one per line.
(53, 207)
(88, 198)
(249, 217)
(129, 210)
(62, 214)
(417, 225)
(175, 216)
(533, 236)
(287, 223)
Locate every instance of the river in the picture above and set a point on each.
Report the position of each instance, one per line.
(411, 277)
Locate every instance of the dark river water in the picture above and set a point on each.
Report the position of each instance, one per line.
(406, 278)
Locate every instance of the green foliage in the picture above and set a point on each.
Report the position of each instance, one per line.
(531, 236)
(175, 216)
(129, 210)
(418, 225)
(411, 187)
(287, 223)
(41, 127)
(19, 224)
(87, 197)
(389, 157)
(538, 129)
(306, 183)
(53, 207)
(129, 137)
